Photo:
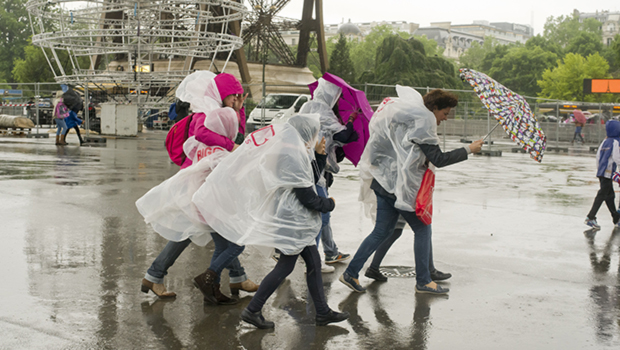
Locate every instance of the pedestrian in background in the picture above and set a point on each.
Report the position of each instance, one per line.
(607, 160)
(61, 112)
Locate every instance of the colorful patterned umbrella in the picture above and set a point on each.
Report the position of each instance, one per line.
(511, 111)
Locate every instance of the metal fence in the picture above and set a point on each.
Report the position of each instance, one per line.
(469, 120)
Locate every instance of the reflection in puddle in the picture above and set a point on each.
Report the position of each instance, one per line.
(605, 298)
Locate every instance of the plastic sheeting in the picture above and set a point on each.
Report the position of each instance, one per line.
(222, 121)
(168, 207)
(249, 198)
(391, 156)
(325, 97)
(200, 90)
(12, 121)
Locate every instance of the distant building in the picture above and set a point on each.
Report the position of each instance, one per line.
(454, 42)
(354, 31)
(610, 23)
(505, 33)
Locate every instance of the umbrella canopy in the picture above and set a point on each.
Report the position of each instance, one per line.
(511, 111)
(350, 101)
(579, 116)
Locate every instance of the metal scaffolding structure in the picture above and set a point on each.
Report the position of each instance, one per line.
(135, 45)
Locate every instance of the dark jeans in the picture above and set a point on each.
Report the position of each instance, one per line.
(170, 253)
(283, 268)
(578, 134)
(224, 254)
(605, 194)
(325, 235)
(387, 244)
(387, 216)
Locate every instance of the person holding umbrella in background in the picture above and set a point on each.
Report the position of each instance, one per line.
(580, 121)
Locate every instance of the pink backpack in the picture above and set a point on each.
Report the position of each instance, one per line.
(177, 135)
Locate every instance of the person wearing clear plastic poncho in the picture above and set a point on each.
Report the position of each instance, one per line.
(403, 140)
(205, 92)
(325, 103)
(263, 195)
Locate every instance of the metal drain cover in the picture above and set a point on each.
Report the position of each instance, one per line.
(398, 271)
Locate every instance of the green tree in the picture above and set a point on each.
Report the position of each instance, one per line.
(497, 52)
(585, 43)
(562, 29)
(474, 57)
(34, 67)
(364, 52)
(522, 67)
(340, 61)
(404, 62)
(545, 44)
(14, 34)
(565, 82)
(430, 46)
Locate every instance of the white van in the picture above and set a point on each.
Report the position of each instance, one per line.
(275, 106)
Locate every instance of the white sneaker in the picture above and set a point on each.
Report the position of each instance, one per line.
(326, 268)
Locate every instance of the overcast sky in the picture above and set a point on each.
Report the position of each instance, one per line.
(532, 12)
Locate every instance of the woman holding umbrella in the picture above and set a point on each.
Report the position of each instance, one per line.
(580, 121)
(403, 141)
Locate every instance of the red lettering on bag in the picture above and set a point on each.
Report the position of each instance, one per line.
(207, 151)
(261, 136)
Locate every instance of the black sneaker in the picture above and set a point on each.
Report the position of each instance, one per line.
(439, 276)
(337, 258)
(375, 274)
(256, 319)
(331, 317)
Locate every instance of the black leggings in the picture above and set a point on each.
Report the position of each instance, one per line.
(77, 130)
(605, 194)
(283, 268)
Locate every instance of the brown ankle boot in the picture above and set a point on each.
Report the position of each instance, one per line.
(221, 298)
(247, 286)
(205, 283)
(158, 289)
(58, 140)
(62, 140)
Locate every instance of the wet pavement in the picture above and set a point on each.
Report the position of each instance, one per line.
(525, 275)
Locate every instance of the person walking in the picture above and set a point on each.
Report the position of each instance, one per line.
(205, 92)
(607, 160)
(277, 207)
(325, 103)
(403, 140)
(61, 112)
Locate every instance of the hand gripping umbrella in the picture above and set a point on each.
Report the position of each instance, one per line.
(511, 111)
(350, 101)
(579, 116)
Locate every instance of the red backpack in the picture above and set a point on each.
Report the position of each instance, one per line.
(177, 135)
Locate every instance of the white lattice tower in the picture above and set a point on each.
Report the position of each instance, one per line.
(169, 36)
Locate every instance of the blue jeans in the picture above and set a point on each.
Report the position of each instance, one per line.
(387, 216)
(224, 254)
(170, 253)
(61, 126)
(387, 244)
(325, 235)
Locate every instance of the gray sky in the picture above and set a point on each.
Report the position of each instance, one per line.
(532, 12)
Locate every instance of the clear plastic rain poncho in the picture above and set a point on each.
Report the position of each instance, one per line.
(325, 97)
(391, 155)
(249, 197)
(168, 207)
(200, 90)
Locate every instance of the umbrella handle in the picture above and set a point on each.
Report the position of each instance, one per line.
(489, 134)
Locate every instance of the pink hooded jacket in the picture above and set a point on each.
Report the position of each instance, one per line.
(227, 85)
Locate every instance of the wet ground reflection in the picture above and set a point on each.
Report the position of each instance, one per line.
(509, 230)
(605, 298)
